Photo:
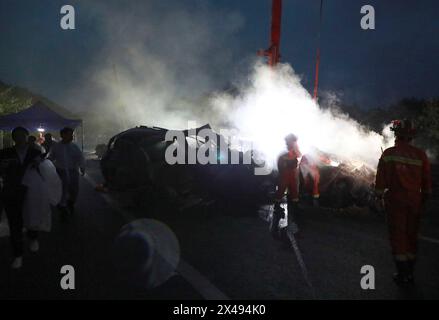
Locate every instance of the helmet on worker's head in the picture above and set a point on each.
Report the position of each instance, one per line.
(291, 138)
(403, 128)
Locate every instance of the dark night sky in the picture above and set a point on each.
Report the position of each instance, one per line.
(366, 68)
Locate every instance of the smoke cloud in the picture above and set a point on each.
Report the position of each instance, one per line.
(166, 64)
(275, 104)
(159, 61)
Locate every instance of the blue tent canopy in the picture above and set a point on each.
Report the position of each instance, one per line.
(37, 116)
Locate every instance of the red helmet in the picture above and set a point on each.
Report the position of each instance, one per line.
(403, 128)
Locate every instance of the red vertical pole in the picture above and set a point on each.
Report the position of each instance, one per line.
(316, 81)
(276, 21)
(273, 52)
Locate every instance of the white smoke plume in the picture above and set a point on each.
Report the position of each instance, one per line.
(275, 104)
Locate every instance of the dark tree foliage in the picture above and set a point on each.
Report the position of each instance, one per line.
(13, 99)
(424, 113)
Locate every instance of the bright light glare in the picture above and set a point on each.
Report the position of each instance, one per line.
(276, 104)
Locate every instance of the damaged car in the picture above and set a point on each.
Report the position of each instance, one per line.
(135, 162)
(342, 182)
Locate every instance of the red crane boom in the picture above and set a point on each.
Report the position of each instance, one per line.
(273, 52)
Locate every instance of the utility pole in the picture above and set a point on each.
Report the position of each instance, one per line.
(316, 79)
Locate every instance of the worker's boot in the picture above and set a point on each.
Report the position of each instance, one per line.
(63, 212)
(292, 208)
(71, 206)
(401, 277)
(315, 202)
(17, 263)
(411, 270)
(278, 214)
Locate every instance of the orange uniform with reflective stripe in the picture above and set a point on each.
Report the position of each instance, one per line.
(289, 175)
(404, 171)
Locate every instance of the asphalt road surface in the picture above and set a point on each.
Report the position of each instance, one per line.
(223, 255)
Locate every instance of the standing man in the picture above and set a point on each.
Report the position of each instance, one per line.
(48, 142)
(288, 179)
(404, 181)
(69, 161)
(14, 161)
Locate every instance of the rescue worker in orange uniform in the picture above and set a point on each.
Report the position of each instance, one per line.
(288, 179)
(309, 168)
(403, 180)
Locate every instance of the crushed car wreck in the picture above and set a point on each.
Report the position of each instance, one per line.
(135, 162)
(341, 182)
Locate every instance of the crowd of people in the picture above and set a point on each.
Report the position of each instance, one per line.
(31, 171)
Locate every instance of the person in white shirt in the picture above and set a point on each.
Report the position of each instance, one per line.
(69, 161)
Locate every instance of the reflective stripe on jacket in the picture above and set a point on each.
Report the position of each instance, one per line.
(403, 168)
